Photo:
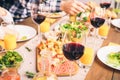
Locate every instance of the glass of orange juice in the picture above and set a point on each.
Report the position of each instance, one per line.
(10, 37)
(72, 18)
(10, 41)
(104, 30)
(45, 26)
(88, 56)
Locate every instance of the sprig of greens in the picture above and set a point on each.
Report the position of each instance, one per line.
(114, 59)
(28, 49)
(10, 59)
(30, 74)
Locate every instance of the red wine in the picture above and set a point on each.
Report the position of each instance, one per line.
(105, 5)
(97, 22)
(39, 19)
(73, 51)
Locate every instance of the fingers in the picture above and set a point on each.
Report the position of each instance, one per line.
(73, 7)
(82, 5)
(78, 7)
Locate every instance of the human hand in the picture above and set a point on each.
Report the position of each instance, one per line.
(2, 12)
(73, 7)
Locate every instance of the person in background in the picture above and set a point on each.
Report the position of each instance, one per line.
(20, 9)
(71, 7)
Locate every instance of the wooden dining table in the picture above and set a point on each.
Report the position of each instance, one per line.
(98, 70)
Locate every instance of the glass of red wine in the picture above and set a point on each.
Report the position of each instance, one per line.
(97, 19)
(39, 14)
(72, 51)
(105, 4)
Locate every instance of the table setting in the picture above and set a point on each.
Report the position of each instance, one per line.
(46, 55)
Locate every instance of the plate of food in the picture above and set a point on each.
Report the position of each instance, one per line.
(110, 56)
(56, 15)
(23, 32)
(59, 64)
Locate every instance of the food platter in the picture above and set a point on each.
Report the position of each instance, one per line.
(23, 32)
(103, 53)
(59, 64)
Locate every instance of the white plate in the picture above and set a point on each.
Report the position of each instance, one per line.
(116, 23)
(103, 53)
(24, 32)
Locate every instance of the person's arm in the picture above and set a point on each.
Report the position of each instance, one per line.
(73, 7)
(2, 12)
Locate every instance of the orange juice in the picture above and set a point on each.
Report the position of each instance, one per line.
(45, 26)
(103, 30)
(88, 56)
(2, 43)
(72, 18)
(10, 41)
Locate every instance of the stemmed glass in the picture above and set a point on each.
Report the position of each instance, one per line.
(105, 4)
(97, 20)
(38, 15)
(73, 51)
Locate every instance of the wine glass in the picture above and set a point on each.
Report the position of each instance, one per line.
(38, 15)
(97, 20)
(105, 3)
(73, 51)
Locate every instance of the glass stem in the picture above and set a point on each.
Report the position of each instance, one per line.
(79, 63)
(95, 37)
(39, 34)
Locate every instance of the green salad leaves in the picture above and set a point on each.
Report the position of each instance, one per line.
(75, 29)
(10, 59)
(114, 59)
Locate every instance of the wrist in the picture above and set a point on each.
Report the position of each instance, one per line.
(62, 5)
